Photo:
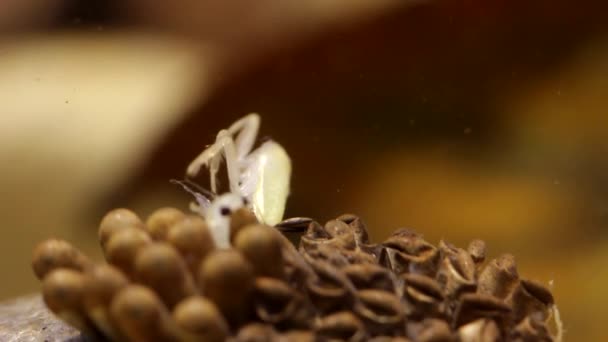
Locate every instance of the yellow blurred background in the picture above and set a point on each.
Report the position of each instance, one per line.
(461, 120)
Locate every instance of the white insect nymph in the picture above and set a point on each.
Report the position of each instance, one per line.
(217, 216)
(258, 179)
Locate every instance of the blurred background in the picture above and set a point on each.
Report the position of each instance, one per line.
(459, 119)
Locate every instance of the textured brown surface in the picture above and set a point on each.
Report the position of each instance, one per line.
(27, 319)
(336, 284)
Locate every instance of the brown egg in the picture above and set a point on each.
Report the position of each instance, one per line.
(62, 291)
(473, 306)
(226, 278)
(262, 248)
(293, 228)
(381, 311)
(406, 251)
(142, 316)
(161, 220)
(370, 276)
(192, 239)
(429, 330)
(530, 298)
(389, 339)
(101, 283)
(533, 328)
(343, 326)
(116, 220)
(456, 271)
(297, 336)
(477, 250)
(256, 332)
(336, 234)
(200, 320)
(423, 296)
(358, 226)
(239, 219)
(160, 267)
(480, 330)
(52, 254)
(331, 289)
(499, 277)
(276, 303)
(123, 247)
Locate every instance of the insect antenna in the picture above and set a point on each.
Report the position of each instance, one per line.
(202, 195)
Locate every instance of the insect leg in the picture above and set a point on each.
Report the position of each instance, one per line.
(246, 131)
(214, 166)
(209, 155)
(224, 140)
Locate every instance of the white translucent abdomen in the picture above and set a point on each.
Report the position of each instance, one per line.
(266, 182)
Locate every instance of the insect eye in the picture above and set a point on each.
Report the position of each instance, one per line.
(225, 211)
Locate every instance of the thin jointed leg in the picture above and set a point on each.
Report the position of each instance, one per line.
(224, 145)
(232, 165)
(234, 144)
(246, 131)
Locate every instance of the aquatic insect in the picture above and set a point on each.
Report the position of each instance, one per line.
(258, 178)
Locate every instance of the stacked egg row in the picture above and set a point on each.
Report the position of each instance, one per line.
(165, 280)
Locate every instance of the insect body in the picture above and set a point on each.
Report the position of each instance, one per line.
(217, 216)
(258, 178)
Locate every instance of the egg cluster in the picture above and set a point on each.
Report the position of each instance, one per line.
(165, 280)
